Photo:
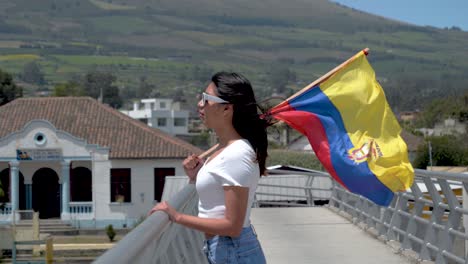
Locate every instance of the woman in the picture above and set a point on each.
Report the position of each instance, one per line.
(227, 180)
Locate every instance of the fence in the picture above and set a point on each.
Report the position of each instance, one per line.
(428, 219)
(293, 189)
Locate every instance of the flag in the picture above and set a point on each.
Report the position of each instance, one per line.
(352, 130)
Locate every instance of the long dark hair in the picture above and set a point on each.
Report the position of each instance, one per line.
(237, 90)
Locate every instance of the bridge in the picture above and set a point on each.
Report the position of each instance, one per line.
(423, 224)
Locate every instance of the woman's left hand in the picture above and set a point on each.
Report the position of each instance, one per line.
(167, 208)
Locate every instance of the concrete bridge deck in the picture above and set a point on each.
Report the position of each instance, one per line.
(319, 236)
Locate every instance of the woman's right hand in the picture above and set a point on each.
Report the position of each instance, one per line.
(192, 165)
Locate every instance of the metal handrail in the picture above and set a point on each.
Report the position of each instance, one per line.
(156, 240)
(428, 223)
(308, 189)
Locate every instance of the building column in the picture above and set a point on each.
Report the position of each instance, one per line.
(65, 189)
(14, 182)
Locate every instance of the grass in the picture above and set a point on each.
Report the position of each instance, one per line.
(220, 39)
(109, 6)
(115, 60)
(19, 57)
(10, 44)
(299, 159)
(122, 25)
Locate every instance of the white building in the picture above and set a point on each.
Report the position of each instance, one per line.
(449, 126)
(164, 114)
(81, 161)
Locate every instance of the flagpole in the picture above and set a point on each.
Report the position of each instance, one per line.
(326, 76)
(209, 151)
(319, 80)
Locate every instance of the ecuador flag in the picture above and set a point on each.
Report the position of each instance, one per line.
(352, 130)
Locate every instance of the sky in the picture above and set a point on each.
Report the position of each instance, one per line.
(437, 13)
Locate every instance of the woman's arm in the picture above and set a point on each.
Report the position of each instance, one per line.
(236, 199)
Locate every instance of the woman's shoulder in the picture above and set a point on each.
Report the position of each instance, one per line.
(239, 148)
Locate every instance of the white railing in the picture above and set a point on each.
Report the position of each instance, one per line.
(22, 216)
(427, 220)
(81, 210)
(295, 189)
(157, 240)
(6, 210)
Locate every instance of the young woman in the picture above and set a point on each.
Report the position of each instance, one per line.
(226, 182)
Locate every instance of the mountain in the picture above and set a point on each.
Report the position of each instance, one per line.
(177, 44)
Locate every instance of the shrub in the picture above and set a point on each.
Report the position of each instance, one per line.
(110, 232)
(293, 158)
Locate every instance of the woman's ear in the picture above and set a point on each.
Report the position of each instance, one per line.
(228, 108)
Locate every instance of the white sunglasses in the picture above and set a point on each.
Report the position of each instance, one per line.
(208, 97)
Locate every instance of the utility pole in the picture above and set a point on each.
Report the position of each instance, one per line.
(430, 154)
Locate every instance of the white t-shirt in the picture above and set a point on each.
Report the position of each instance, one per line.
(236, 165)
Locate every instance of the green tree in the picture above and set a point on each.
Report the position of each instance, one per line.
(279, 77)
(101, 84)
(69, 88)
(446, 151)
(202, 73)
(293, 158)
(442, 108)
(8, 89)
(145, 89)
(32, 74)
(128, 93)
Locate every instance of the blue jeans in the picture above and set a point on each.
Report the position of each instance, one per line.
(243, 249)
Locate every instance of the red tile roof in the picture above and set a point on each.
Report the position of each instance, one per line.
(86, 118)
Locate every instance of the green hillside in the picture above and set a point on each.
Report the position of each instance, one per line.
(177, 44)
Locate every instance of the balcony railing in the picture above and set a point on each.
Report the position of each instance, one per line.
(81, 210)
(6, 210)
(157, 240)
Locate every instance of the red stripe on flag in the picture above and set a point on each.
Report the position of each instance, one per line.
(310, 125)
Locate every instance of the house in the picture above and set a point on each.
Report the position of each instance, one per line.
(164, 114)
(76, 159)
(449, 126)
(408, 116)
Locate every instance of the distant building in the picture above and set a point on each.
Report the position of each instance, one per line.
(408, 116)
(449, 126)
(78, 160)
(164, 114)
